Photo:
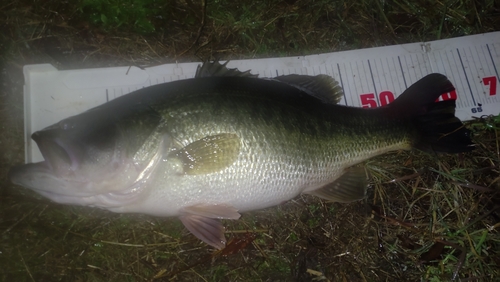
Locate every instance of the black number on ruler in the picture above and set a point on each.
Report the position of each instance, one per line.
(477, 109)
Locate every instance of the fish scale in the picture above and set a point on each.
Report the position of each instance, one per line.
(288, 161)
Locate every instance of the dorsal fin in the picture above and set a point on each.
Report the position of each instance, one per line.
(321, 86)
(214, 69)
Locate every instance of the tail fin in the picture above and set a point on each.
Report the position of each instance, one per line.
(438, 129)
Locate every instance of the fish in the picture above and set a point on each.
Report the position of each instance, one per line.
(227, 142)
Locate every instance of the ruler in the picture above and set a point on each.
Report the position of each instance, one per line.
(369, 77)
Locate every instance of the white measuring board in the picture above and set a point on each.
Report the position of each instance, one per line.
(370, 78)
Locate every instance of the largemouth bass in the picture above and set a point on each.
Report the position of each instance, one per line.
(226, 142)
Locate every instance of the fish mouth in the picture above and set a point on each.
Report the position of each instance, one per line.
(36, 176)
(23, 173)
(58, 162)
(59, 157)
(40, 178)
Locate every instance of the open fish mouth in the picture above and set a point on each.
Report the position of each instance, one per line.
(41, 178)
(27, 172)
(66, 177)
(58, 155)
(56, 174)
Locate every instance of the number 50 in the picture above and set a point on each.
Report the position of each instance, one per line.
(368, 99)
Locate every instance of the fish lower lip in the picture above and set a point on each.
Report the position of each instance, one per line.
(21, 173)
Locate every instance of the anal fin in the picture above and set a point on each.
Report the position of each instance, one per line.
(203, 221)
(349, 187)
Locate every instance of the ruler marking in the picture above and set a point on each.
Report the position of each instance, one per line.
(493, 62)
(407, 65)
(414, 61)
(479, 69)
(395, 69)
(389, 86)
(414, 69)
(454, 78)
(347, 86)
(427, 64)
(353, 90)
(448, 69)
(365, 78)
(353, 86)
(399, 72)
(383, 71)
(341, 83)
(361, 73)
(373, 81)
(402, 72)
(379, 74)
(396, 78)
(486, 61)
(388, 74)
(407, 68)
(466, 77)
(440, 67)
(488, 56)
(392, 69)
(469, 57)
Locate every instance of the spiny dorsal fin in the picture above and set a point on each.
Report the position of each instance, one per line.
(216, 69)
(320, 86)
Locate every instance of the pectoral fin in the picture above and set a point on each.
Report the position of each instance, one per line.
(349, 187)
(203, 221)
(210, 154)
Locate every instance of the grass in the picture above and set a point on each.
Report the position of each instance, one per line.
(426, 218)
